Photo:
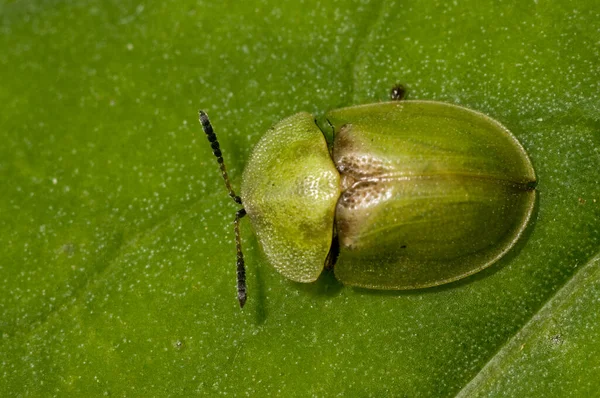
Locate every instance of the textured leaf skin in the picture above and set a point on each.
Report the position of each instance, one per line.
(117, 265)
(433, 192)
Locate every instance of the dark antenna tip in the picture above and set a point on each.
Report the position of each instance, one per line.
(241, 269)
(202, 117)
(214, 144)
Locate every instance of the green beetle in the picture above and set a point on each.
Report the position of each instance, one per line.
(414, 194)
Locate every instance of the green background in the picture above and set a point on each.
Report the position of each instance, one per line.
(117, 258)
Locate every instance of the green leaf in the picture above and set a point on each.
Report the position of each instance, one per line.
(552, 348)
(117, 264)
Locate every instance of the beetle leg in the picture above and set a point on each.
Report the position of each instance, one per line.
(398, 92)
(332, 128)
(334, 251)
(212, 138)
(241, 270)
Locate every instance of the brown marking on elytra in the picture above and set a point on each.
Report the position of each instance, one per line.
(361, 166)
(362, 194)
(355, 163)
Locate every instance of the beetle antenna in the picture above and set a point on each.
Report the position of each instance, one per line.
(241, 270)
(214, 143)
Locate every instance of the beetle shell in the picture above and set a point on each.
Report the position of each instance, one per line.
(419, 193)
(289, 189)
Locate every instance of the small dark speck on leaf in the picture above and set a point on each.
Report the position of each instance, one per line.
(179, 345)
(557, 340)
